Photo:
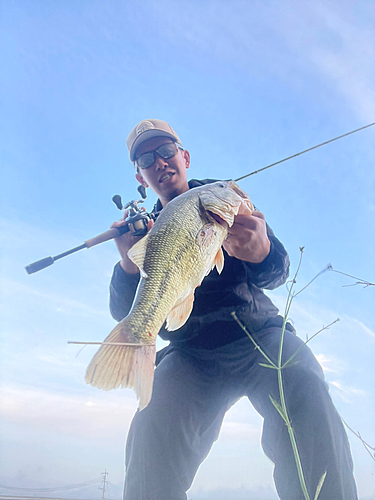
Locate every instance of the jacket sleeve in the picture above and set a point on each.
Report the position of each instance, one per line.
(121, 292)
(274, 270)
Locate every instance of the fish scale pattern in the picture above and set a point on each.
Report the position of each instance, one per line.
(182, 247)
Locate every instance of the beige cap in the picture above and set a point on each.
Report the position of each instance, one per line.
(145, 130)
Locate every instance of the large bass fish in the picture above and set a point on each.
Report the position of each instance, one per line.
(174, 257)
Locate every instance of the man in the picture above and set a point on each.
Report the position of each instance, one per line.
(210, 362)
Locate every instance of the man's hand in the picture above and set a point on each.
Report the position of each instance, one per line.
(247, 239)
(124, 244)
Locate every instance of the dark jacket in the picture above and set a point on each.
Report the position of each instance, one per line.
(238, 288)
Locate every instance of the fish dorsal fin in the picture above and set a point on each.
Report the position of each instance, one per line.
(137, 254)
(180, 313)
(218, 207)
(219, 260)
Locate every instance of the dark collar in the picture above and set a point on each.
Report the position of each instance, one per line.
(192, 184)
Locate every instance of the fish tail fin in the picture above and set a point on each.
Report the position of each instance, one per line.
(123, 366)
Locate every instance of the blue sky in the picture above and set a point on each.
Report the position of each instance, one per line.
(244, 84)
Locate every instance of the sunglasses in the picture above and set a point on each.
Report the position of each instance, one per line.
(165, 151)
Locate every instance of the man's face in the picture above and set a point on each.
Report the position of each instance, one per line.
(166, 177)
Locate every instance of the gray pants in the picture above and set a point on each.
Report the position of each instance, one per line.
(193, 390)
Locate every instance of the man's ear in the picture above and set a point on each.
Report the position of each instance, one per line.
(141, 180)
(186, 157)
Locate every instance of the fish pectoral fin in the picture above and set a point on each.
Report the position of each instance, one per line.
(123, 366)
(180, 313)
(137, 254)
(219, 260)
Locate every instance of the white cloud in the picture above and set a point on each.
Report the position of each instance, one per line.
(347, 393)
(327, 363)
(242, 493)
(61, 303)
(338, 48)
(362, 326)
(236, 430)
(83, 415)
(306, 40)
(242, 423)
(306, 316)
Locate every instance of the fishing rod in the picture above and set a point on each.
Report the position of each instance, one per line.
(302, 152)
(136, 223)
(138, 218)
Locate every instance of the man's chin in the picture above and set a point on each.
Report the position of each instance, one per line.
(173, 191)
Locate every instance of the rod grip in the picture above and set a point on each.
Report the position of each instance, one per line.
(39, 264)
(108, 235)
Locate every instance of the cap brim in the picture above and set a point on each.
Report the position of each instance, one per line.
(148, 134)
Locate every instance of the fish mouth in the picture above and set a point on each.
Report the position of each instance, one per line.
(218, 219)
(165, 177)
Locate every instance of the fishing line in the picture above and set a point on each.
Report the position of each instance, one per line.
(302, 152)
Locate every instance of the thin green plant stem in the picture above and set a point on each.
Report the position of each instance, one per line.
(282, 408)
(284, 415)
(297, 459)
(327, 268)
(257, 346)
(367, 446)
(365, 283)
(281, 386)
(307, 341)
(288, 305)
(292, 436)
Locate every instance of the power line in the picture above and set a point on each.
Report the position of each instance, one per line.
(305, 151)
(30, 497)
(40, 490)
(109, 482)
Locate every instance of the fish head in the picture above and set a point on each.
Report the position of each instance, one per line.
(225, 199)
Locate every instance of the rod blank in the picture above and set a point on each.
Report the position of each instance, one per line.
(106, 236)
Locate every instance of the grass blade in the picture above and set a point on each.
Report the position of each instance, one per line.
(279, 409)
(320, 484)
(268, 366)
